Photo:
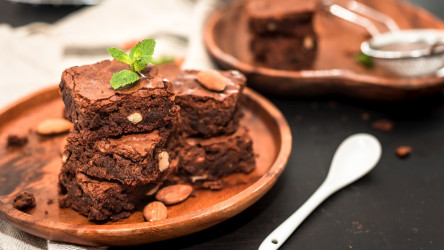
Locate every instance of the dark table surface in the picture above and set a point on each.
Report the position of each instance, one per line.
(399, 205)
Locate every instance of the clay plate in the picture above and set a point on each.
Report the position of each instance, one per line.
(34, 168)
(335, 71)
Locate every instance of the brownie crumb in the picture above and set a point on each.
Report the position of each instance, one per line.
(16, 141)
(50, 201)
(213, 185)
(24, 201)
(298, 118)
(383, 125)
(332, 105)
(403, 151)
(365, 116)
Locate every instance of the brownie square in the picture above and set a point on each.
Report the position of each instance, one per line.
(208, 113)
(209, 159)
(99, 111)
(291, 53)
(282, 33)
(130, 159)
(97, 199)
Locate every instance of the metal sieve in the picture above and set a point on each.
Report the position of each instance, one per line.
(407, 53)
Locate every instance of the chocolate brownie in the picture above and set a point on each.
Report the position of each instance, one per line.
(97, 199)
(283, 35)
(24, 201)
(209, 159)
(99, 111)
(290, 53)
(130, 159)
(208, 113)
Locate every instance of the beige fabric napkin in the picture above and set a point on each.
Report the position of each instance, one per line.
(34, 56)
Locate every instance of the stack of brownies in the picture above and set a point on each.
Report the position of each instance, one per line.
(212, 143)
(282, 32)
(118, 148)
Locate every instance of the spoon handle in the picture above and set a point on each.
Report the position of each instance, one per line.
(283, 231)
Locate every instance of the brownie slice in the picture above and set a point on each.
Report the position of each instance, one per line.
(208, 113)
(282, 33)
(97, 199)
(210, 159)
(290, 53)
(99, 111)
(130, 159)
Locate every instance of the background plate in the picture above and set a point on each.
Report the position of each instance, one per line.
(335, 70)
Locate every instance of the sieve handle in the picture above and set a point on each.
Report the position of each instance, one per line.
(365, 17)
(437, 47)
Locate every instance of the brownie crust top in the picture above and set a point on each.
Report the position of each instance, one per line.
(187, 84)
(277, 9)
(92, 82)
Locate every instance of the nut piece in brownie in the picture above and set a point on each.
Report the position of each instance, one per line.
(24, 201)
(130, 159)
(205, 112)
(97, 199)
(209, 159)
(285, 28)
(99, 111)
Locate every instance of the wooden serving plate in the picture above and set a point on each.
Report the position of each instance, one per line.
(35, 167)
(335, 71)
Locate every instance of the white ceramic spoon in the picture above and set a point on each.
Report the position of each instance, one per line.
(354, 158)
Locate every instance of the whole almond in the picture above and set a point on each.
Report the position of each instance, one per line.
(54, 126)
(212, 80)
(174, 194)
(155, 211)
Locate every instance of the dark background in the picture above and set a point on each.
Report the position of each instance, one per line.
(399, 205)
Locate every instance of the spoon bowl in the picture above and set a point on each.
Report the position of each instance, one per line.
(355, 157)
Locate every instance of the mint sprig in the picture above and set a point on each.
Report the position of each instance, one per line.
(137, 59)
(365, 60)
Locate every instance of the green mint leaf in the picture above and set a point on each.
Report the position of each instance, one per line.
(139, 63)
(135, 51)
(142, 54)
(364, 60)
(138, 58)
(123, 78)
(119, 55)
(163, 60)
